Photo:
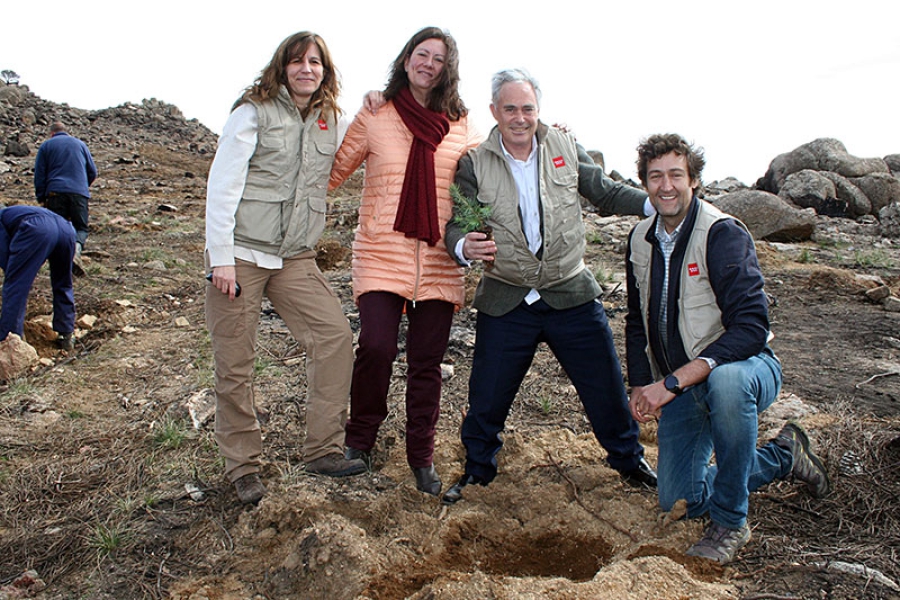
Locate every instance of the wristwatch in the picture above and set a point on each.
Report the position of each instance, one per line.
(671, 383)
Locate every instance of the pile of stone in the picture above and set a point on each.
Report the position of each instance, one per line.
(816, 179)
(26, 118)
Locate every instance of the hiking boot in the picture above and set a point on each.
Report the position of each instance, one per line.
(807, 467)
(65, 342)
(78, 263)
(720, 543)
(249, 488)
(335, 465)
(357, 454)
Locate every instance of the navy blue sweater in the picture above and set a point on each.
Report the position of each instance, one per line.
(63, 165)
(737, 282)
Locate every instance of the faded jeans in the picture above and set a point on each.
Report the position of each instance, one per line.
(720, 415)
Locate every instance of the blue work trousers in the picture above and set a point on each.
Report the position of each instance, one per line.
(37, 238)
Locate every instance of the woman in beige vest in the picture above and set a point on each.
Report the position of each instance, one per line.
(265, 211)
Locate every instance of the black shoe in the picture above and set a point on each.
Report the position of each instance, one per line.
(642, 475)
(454, 494)
(427, 480)
(66, 342)
(356, 454)
(250, 489)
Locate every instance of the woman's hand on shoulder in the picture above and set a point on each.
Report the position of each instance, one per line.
(373, 100)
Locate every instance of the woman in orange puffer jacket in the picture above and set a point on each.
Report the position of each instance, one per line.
(410, 147)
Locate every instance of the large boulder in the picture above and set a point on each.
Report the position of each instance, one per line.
(893, 163)
(856, 201)
(810, 189)
(767, 216)
(823, 154)
(880, 188)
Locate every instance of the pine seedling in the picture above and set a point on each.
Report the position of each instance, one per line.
(469, 213)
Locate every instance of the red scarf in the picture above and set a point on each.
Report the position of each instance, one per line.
(417, 215)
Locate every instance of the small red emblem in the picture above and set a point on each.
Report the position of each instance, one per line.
(323, 125)
(559, 162)
(693, 270)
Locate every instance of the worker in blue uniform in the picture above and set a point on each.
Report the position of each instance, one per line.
(29, 236)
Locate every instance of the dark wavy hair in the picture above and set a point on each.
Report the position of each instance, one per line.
(661, 144)
(273, 76)
(444, 97)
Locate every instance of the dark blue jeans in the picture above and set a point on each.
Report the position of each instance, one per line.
(581, 340)
(720, 416)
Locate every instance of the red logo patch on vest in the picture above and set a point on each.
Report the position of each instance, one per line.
(323, 125)
(559, 162)
(693, 270)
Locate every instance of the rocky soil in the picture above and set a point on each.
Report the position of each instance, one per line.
(111, 486)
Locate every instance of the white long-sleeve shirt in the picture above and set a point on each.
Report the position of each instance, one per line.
(225, 187)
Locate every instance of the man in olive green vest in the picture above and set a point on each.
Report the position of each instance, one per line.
(538, 288)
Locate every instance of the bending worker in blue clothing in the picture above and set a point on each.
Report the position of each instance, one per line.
(30, 235)
(63, 172)
(696, 336)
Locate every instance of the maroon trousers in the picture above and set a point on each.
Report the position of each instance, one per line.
(427, 335)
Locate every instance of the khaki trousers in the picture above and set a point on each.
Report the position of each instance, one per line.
(312, 313)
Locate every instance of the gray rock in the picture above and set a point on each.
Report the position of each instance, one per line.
(727, 185)
(767, 216)
(893, 163)
(889, 217)
(892, 304)
(810, 189)
(823, 154)
(880, 188)
(857, 204)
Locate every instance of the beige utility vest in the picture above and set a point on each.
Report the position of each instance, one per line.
(563, 228)
(282, 210)
(699, 317)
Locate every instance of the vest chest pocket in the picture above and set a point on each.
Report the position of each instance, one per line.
(321, 160)
(272, 138)
(565, 181)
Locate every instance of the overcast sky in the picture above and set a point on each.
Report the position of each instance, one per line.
(747, 81)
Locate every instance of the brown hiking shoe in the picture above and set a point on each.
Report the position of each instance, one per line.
(807, 467)
(250, 489)
(335, 465)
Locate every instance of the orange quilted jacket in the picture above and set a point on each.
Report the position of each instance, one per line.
(383, 259)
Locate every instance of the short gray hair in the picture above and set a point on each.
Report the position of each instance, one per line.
(513, 76)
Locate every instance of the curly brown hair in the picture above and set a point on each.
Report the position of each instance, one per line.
(661, 144)
(444, 97)
(268, 84)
